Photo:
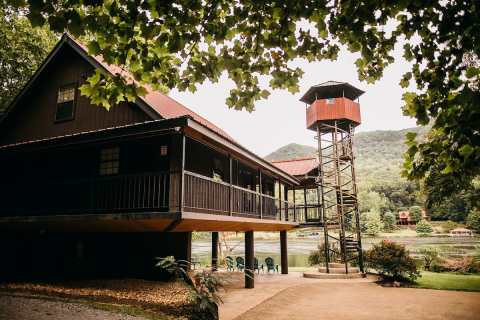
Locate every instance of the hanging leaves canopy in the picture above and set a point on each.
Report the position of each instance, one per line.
(181, 44)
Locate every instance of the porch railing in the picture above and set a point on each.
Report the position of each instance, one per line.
(145, 192)
(207, 195)
(123, 193)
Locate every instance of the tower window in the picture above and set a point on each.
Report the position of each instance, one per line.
(330, 100)
(65, 103)
(109, 161)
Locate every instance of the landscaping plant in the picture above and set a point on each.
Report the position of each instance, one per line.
(473, 220)
(430, 255)
(204, 285)
(423, 228)
(392, 261)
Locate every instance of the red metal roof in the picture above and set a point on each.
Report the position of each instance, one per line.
(297, 167)
(165, 106)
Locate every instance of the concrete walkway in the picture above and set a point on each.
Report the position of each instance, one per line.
(293, 297)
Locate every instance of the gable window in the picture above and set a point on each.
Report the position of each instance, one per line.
(65, 103)
(109, 161)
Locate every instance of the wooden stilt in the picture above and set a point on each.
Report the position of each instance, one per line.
(214, 251)
(249, 257)
(283, 251)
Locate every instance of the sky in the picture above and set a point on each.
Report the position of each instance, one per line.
(280, 119)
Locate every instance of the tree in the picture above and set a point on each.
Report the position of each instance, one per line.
(423, 228)
(473, 220)
(416, 213)
(430, 255)
(23, 49)
(389, 221)
(373, 223)
(186, 43)
(372, 201)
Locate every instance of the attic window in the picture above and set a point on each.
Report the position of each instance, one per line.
(65, 103)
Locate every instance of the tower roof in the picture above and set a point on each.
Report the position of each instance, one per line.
(331, 89)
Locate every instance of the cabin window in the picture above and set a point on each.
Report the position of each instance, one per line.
(163, 151)
(65, 103)
(109, 161)
(330, 100)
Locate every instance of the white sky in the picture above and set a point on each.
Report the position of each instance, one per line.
(280, 119)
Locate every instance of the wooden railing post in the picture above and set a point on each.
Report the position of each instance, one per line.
(182, 176)
(294, 206)
(261, 193)
(230, 191)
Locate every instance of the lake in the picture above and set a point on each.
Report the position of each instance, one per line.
(299, 248)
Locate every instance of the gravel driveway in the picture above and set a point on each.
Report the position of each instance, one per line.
(19, 308)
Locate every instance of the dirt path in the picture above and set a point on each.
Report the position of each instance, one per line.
(341, 301)
(20, 308)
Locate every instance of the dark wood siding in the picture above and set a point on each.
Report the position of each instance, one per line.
(34, 117)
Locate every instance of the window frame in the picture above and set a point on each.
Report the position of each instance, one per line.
(74, 86)
(109, 160)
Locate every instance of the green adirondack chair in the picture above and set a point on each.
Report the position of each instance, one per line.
(229, 262)
(256, 266)
(271, 264)
(240, 263)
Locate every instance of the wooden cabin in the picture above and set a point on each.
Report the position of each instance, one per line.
(86, 189)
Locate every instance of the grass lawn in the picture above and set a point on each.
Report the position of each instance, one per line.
(449, 281)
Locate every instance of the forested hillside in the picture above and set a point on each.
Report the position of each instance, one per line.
(379, 157)
(378, 154)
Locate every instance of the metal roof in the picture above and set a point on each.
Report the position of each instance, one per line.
(331, 89)
(297, 167)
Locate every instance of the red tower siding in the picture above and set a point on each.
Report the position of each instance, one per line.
(340, 109)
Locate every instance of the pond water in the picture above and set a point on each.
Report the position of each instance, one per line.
(299, 248)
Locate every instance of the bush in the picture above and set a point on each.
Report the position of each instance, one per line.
(317, 257)
(424, 228)
(464, 265)
(473, 220)
(416, 213)
(448, 226)
(430, 256)
(392, 260)
(373, 223)
(389, 221)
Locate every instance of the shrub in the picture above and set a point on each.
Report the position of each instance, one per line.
(424, 228)
(317, 257)
(373, 223)
(430, 256)
(464, 265)
(473, 220)
(448, 226)
(392, 260)
(389, 221)
(416, 213)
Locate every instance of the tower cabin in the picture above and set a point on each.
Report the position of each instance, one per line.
(91, 192)
(327, 180)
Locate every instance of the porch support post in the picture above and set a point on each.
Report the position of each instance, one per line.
(283, 251)
(249, 256)
(230, 190)
(214, 251)
(260, 183)
(305, 202)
